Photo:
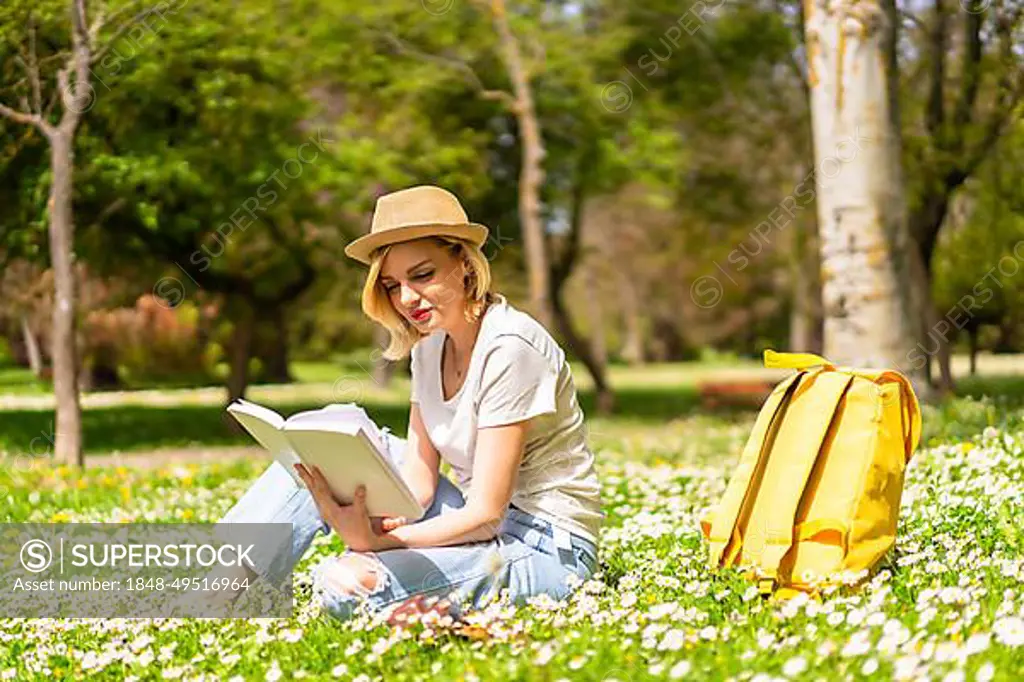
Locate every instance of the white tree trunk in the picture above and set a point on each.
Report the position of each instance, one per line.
(864, 240)
(35, 358)
(64, 354)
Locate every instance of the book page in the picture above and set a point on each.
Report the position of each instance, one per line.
(264, 425)
(341, 418)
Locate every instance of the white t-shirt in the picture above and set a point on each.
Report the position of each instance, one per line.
(516, 372)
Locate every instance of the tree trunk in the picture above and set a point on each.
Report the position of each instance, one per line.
(805, 331)
(75, 97)
(68, 427)
(972, 334)
(933, 333)
(865, 244)
(35, 359)
(275, 355)
(598, 343)
(582, 350)
(531, 173)
(240, 352)
(944, 358)
(563, 265)
(633, 347)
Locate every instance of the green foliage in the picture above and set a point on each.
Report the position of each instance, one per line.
(6, 358)
(197, 115)
(979, 261)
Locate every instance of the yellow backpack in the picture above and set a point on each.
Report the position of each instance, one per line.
(816, 494)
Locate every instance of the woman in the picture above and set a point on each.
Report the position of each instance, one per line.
(492, 395)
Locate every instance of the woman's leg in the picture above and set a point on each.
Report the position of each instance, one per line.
(524, 559)
(276, 498)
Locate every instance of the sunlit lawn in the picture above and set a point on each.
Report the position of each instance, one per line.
(947, 606)
(20, 381)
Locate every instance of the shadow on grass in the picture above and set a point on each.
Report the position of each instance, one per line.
(143, 428)
(647, 404)
(128, 428)
(997, 400)
(1008, 388)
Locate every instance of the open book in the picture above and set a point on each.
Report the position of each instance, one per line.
(344, 442)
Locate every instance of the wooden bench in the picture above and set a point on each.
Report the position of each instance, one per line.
(750, 393)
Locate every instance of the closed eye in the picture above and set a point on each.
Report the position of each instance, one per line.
(419, 277)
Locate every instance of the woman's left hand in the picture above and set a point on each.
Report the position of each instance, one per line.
(350, 521)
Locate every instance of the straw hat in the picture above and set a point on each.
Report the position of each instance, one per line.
(424, 211)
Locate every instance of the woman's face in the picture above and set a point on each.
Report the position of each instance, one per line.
(425, 284)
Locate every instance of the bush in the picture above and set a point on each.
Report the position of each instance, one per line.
(151, 343)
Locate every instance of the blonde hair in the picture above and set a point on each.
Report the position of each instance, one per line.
(403, 335)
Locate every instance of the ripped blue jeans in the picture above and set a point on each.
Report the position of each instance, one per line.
(527, 557)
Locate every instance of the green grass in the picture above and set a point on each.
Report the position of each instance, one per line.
(648, 397)
(653, 404)
(308, 372)
(132, 427)
(21, 381)
(948, 602)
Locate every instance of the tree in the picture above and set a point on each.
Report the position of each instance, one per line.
(724, 79)
(531, 173)
(977, 260)
(212, 179)
(256, 153)
(959, 111)
(520, 102)
(530, 80)
(63, 75)
(865, 245)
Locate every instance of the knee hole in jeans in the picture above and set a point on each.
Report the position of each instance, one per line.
(352, 574)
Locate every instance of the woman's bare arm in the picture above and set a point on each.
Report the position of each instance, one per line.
(420, 468)
(499, 451)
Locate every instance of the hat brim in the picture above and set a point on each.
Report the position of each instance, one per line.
(361, 249)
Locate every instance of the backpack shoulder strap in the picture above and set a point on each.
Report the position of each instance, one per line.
(798, 444)
(721, 525)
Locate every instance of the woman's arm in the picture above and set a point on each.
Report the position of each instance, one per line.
(499, 451)
(420, 467)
